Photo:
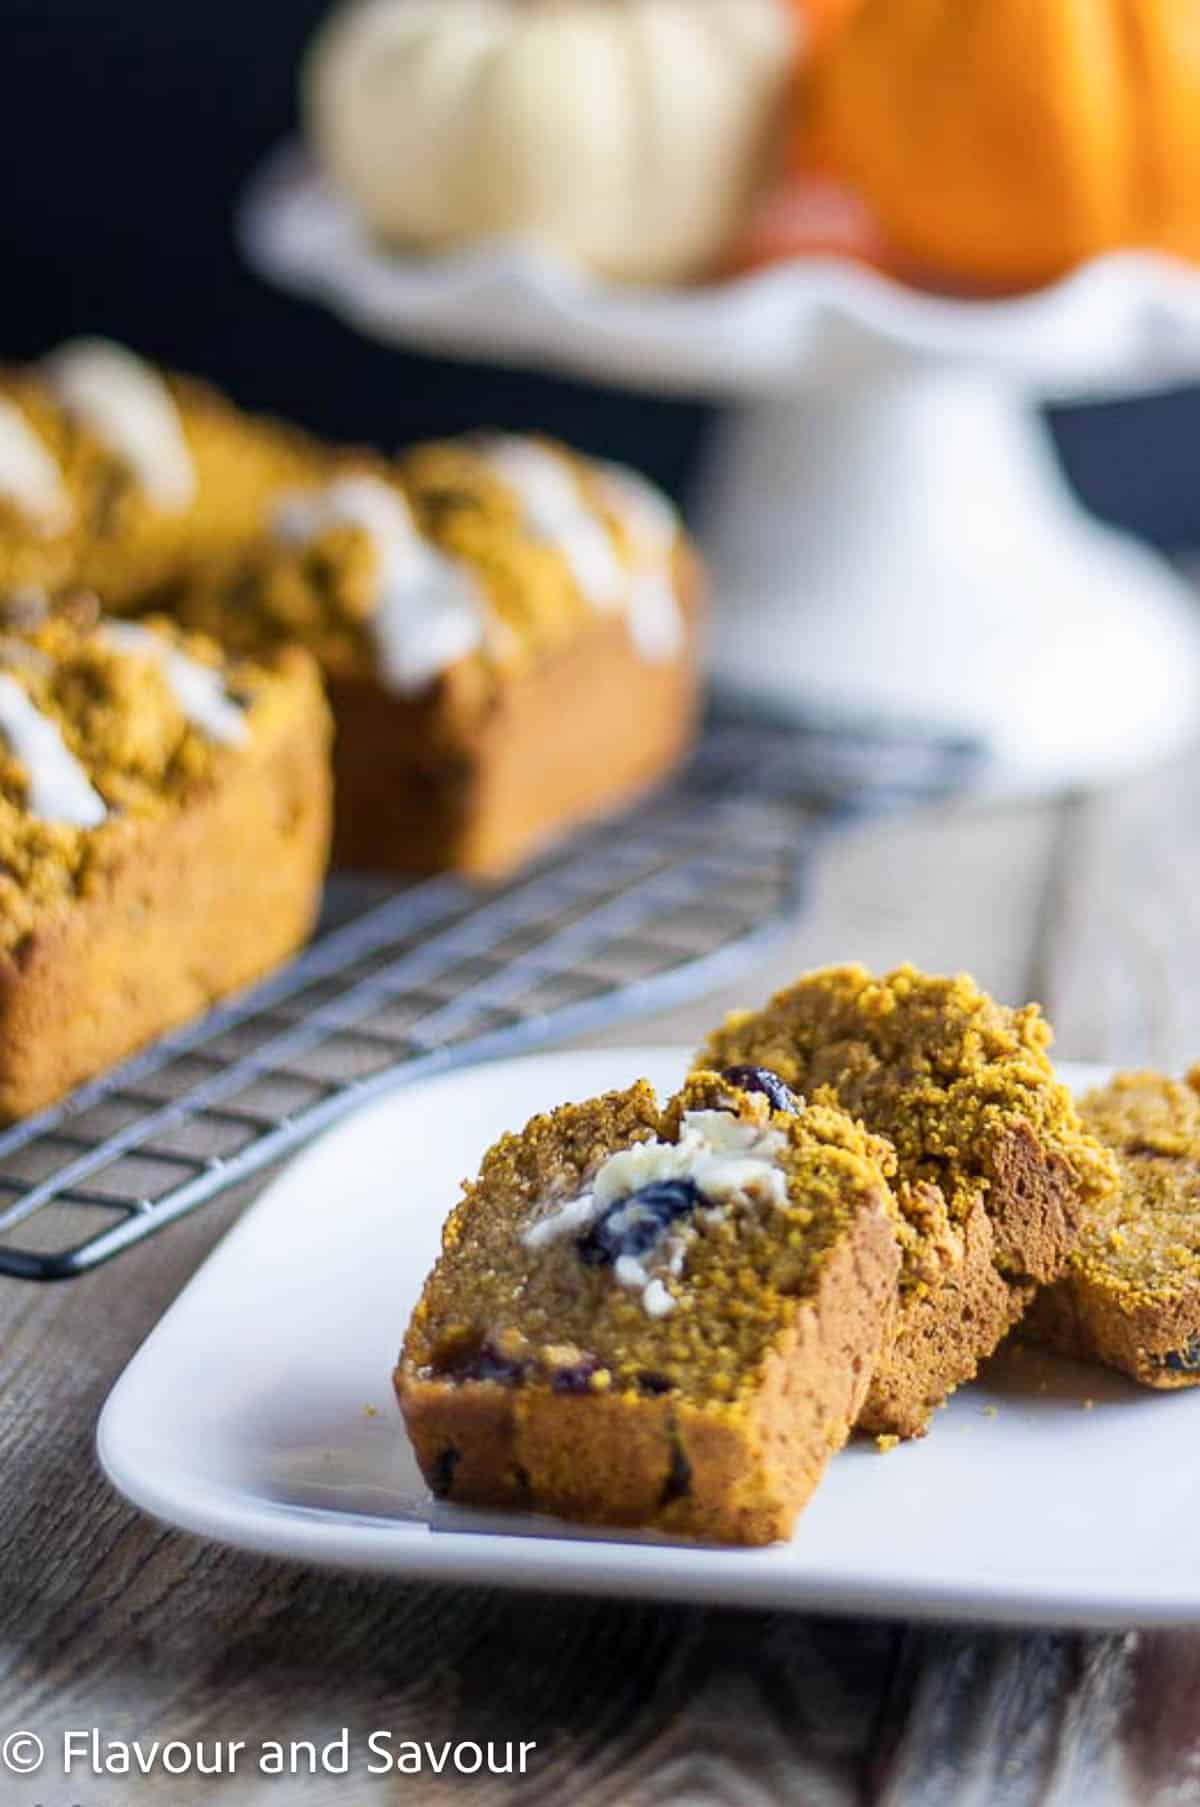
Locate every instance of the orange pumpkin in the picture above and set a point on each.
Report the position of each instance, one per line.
(1005, 141)
(819, 19)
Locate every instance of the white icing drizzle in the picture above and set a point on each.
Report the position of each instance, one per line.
(576, 1215)
(59, 788)
(628, 1271)
(730, 1162)
(649, 518)
(429, 610)
(29, 475)
(652, 526)
(127, 404)
(725, 1158)
(198, 689)
(657, 1301)
(557, 512)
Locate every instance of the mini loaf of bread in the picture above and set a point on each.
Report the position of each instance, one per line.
(1131, 1294)
(164, 829)
(662, 1317)
(122, 479)
(509, 632)
(995, 1172)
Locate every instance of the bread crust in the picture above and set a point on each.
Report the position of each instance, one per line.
(450, 781)
(1155, 1343)
(200, 902)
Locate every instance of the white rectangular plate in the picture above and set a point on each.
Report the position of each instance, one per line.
(260, 1413)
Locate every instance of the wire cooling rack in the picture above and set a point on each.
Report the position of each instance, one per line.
(640, 912)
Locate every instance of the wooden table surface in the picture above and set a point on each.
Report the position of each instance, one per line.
(107, 1620)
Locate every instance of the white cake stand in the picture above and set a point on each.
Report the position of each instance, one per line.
(882, 506)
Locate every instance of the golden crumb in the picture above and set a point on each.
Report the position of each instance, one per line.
(114, 537)
(1141, 1242)
(324, 591)
(933, 1064)
(120, 718)
(885, 1443)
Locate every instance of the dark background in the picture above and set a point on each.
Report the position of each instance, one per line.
(126, 130)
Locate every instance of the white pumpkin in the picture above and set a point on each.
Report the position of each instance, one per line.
(628, 135)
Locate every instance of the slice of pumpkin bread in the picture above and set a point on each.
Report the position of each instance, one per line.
(1130, 1297)
(656, 1316)
(994, 1170)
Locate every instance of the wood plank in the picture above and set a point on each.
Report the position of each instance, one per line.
(1021, 1720)
(1120, 952)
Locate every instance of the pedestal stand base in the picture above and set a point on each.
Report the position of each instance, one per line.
(908, 546)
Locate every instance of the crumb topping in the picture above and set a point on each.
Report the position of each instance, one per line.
(423, 609)
(545, 540)
(932, 1064)
(30, 480)
(516, 1301)
(557, 510)
(118, 718)
(56, 480)
(130, 481)
(1141, 1241)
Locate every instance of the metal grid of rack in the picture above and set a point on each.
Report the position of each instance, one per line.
(639, 913)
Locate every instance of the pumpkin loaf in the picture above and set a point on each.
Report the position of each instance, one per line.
(164, 826)
(1130, 1297)
(129, 481)
(994, 1169)
(661, 1317)
(509, 634)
